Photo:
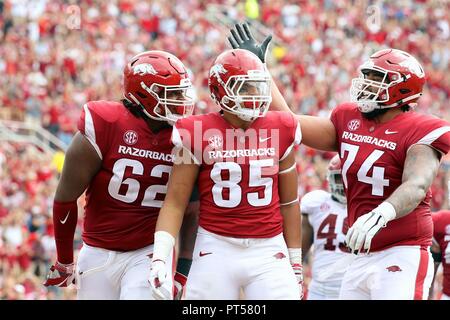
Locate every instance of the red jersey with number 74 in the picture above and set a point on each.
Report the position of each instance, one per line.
(238, 178)
(373, 157)
(124, 197)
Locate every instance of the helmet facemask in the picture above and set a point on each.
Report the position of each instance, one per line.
(173, 101)
(336, 185)
(247, 96)
(372, 94)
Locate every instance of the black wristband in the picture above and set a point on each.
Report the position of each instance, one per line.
(183, 266)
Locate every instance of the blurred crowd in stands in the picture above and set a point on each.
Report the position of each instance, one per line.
(56, 55)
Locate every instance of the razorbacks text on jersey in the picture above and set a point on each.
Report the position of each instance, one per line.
(373, 156)
(238, 179)
(124, 197)
(328, 219)
(441, 221)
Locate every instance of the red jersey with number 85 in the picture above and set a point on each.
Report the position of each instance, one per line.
(238, 178)
(373, 157)
(124, 197)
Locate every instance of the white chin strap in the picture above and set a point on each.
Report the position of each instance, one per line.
(245, 114)
(170, 118)
(369, 106)
(248, 114)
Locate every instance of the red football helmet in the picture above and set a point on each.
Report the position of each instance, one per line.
(159, 83)
(402, 81)
(240, 84)
(335, 182)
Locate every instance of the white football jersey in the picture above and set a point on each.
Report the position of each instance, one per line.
(328, 219)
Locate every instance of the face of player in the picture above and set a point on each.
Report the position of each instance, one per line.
(252, 88)
(177, 101)
(174, 95)
(374, 76)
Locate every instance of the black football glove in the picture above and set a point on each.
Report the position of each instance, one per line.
(242, 38)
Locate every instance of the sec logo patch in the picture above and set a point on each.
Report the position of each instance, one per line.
(130, 137)
(353, 124)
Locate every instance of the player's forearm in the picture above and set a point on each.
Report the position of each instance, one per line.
(65, 217)
(292, 221)
(406, 198)
(170, 219)
(318, 133)
(421, 166)
(167, 228)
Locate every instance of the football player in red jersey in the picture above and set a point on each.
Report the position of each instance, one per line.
(249, 233)
(390, 155)
(441, 248)
(122, 157)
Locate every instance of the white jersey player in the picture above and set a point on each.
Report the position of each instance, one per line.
(324, 226)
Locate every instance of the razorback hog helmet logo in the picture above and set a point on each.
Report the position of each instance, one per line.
(143, 69)
(217, 69)
(393, 269)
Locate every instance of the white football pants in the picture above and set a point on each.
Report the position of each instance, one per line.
(111, 275)
(323, 290)
(397, 273)
(221, 266)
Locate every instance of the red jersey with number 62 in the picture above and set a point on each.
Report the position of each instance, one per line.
(238, 179)
(441, 220)
(373, 157)
(124, 197)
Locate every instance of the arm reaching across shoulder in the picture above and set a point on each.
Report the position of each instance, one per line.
(318, 133)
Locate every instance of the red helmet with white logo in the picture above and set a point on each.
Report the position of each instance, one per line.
(402, 81)
(158, 82)
(335, 182)
(240, 84)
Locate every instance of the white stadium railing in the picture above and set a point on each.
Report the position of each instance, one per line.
(18, 131)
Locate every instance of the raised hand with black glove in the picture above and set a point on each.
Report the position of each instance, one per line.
(242, 38)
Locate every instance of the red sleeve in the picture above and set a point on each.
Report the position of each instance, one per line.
(65, 217)
(333, 117)
(338, 114)
(433, 132)
(94, 127)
